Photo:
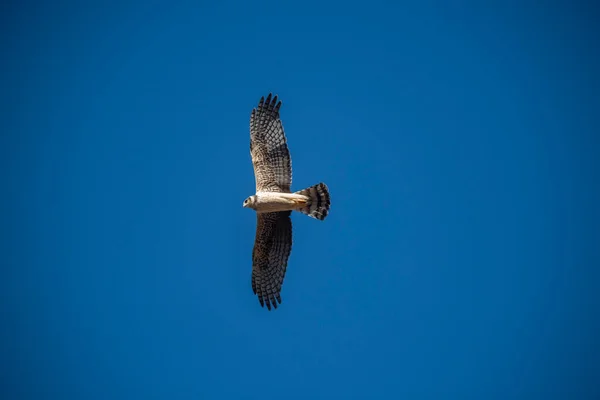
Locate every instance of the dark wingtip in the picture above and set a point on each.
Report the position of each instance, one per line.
(270, 100)
(271, 304)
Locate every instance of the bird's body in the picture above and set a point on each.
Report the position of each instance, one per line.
(274, 201)
(263, 202)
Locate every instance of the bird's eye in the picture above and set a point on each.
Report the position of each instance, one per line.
(245, 201)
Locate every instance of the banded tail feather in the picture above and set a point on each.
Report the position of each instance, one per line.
(317, 205)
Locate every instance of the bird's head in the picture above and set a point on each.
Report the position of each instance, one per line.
(250, 202)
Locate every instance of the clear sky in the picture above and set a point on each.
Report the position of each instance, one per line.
(460, 258)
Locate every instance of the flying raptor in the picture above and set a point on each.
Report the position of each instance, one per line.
(274, 202)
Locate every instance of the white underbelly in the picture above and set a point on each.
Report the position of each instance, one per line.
(275, 202)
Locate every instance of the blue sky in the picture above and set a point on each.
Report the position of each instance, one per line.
(459, 260)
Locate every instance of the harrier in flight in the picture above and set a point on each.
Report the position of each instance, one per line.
(274, 201)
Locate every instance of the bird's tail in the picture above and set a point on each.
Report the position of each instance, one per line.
(317, 205)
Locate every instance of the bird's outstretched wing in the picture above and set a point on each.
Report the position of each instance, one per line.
(272, 248)
(268, 148)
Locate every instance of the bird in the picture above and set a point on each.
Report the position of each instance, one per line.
(274, 201)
